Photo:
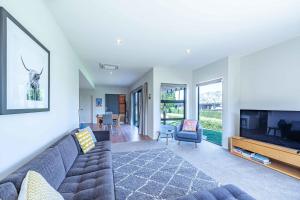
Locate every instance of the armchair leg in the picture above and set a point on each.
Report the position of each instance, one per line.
(158, 136)
(195, 145)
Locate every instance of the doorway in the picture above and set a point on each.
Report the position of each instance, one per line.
(116, 104)
(210, 110)
(112, 103)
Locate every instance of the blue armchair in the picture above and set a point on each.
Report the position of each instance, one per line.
(189, 136)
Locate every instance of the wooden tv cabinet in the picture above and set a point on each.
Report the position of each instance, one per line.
(284, 160)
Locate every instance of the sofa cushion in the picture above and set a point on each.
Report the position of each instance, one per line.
(8, 191)
(49, 164)
(68, 151)
(35, 187)
(225, 192)
(72, 133)
(187, 135)
(96, 185)
(90, 131)
(101, 146)
(189, 125)
(85, 140)
(90, 163)
(100, 136)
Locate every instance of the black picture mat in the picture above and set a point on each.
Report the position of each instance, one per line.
(4, 15)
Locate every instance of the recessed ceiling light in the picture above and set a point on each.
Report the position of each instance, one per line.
(119, 41)
(188, 51)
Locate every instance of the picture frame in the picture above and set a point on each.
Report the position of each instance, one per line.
(99, 102)
(24, 69)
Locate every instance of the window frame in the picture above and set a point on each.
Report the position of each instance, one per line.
(164, 120)
(218, 80)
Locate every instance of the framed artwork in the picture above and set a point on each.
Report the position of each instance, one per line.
(98, 102)
(24, 69)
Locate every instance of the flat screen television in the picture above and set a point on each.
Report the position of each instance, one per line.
(271, 126)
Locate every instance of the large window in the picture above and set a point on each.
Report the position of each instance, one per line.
(172, 103)
(210, 110)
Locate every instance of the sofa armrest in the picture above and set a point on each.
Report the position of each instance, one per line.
(226, 192)
(8, 191)
(178, 128)
(102, 135)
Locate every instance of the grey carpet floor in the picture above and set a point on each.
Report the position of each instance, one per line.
(260, 182)
(156, 174)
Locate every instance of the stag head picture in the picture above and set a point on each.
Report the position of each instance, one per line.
(33, 85)
(25, 69)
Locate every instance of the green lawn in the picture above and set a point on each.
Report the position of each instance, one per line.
(211, 114)
(211, 121)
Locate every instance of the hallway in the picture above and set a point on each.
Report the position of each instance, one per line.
(124, 133)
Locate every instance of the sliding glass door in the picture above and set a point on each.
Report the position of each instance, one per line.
(210, 110)
(172, 103)
(137, 103)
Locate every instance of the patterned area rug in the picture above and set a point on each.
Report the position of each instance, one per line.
(156, 174)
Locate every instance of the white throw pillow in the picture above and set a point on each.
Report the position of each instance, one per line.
(35, 187)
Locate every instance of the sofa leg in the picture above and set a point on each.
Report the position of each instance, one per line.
(195, 145)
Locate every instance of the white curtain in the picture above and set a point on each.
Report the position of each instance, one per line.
(140, 113)
(129, 108)
(143, 110)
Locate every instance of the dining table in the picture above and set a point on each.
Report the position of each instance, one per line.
(115, 117)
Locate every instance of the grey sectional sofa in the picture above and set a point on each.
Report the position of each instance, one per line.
(79, 176)
(226, 192)
(73, 174)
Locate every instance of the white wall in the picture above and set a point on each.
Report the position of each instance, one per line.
(270, 78)
(86, 105)
(232, 121)
(25, 135)
(98, 92)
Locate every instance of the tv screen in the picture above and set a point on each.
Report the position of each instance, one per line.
(275, 127)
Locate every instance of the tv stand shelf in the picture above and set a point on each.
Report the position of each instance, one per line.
(284, 160)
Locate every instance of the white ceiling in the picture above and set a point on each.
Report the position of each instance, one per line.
(156, 33)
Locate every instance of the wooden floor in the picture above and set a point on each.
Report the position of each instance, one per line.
(124, 133)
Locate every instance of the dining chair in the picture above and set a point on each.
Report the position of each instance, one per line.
(108, 120)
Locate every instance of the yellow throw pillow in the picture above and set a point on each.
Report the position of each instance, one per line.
(35, 187)
(85, 141)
